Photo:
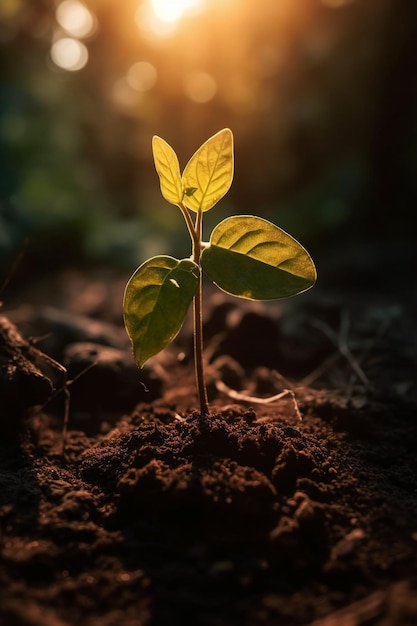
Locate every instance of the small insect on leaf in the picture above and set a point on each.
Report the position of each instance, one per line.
(209, 172)
(167, 166)
(252, 258)
(156, 301)
(189, 191)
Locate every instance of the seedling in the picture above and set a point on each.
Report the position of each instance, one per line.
(247, 256)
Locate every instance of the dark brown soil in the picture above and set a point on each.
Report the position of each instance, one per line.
(139, 511)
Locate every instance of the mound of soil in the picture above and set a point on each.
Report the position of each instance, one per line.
(293, 503)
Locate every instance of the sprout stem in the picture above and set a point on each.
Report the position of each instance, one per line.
(195, 231)
(195, 237)
(198, 321)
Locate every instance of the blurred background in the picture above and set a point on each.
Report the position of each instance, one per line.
(321, 96)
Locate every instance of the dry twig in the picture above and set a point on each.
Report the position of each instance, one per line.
(236, 395)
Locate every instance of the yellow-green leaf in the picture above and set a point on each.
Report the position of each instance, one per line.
(156, 300)
(252, 258)
(209, 172)
(167, 166)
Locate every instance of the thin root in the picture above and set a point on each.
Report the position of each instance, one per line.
(64, 389)
(236, 395)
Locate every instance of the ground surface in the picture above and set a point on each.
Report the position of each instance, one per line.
(298, 511)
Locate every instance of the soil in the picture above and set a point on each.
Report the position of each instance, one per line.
(293, 503)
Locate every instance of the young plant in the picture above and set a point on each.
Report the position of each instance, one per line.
(247, 256)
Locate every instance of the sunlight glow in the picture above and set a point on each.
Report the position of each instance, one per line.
(150, 25)
(69, 54)
(75, 18)
(160, 18)
(172, 10)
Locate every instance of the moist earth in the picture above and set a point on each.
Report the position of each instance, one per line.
(293, 503)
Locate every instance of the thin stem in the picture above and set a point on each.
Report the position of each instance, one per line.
(198, 321)
(198, 351)
(195, 237)
(195, 231)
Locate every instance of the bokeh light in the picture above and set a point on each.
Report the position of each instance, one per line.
(200, 86)
(142, 76)
(9, 8)
(296, 80)
(75, 18)
(69, 54)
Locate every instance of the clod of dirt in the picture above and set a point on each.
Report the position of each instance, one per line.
(22, 383)
(107, 379)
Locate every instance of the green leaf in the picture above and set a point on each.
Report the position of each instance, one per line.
(156, 300)
(167, 166)
(251, 258)
(209, 172)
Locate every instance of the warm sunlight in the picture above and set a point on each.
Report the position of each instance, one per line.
(161, 19)
(171, 11)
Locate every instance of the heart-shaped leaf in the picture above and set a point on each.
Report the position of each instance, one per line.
(209, 172)
(251, 258)
(156, 300)
(167, 166)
